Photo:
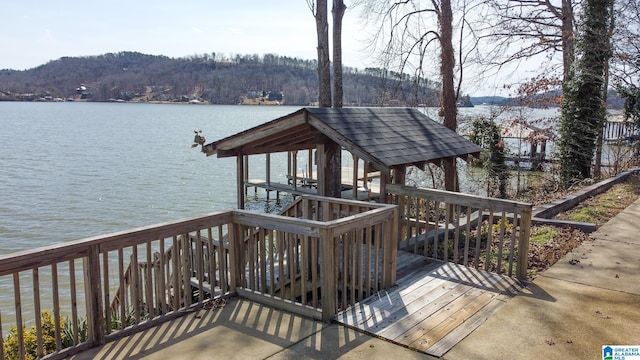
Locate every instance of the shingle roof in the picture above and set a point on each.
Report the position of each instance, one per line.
(385, 136)
(395, 136)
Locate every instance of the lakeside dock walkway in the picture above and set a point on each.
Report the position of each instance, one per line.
(590, 298)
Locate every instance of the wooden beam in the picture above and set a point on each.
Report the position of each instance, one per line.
(400, 175)
(310, 163)
(280, 148)
(268, 174)
(523, 244)
(259, 132)
(383, 187)
(240, 177)
(333, 175)
(355, 176)
(322, 168)
(328, 278)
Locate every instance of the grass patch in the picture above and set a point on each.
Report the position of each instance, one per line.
(600, 208)
(587, 214)
(542, 234)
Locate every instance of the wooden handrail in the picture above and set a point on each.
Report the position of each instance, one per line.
(448, 225)
(146, 275)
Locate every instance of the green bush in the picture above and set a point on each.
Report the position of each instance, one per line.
(11, 345)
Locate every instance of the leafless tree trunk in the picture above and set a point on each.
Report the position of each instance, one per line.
(521, 29)
(338, 13)
(324, 65)
(333, 152)
(448, 102)
(568, 38)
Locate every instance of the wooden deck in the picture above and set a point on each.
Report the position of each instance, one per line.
(305, 183)
(434, 305)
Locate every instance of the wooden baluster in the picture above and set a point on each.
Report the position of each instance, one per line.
(74, 302)
(38, 311)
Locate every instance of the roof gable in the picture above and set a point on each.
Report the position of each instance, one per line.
(385, 136)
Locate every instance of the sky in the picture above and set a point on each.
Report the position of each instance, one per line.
(35, 32)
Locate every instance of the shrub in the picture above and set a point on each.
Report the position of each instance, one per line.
(11, 344)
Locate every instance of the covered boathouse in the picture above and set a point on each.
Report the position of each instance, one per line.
(383, 140)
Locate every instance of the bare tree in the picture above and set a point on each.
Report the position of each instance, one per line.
(518, 30)
(449, 99)
(319, 10)
(333, 152)
(409, 33)
(338, 13)
(625, 69)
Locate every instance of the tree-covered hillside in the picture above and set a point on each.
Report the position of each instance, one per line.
(132, 76)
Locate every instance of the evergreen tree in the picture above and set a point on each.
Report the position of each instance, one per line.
(486, 134)
(583, 108)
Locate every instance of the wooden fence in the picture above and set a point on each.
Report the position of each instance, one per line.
(321, 256)
(484, 233)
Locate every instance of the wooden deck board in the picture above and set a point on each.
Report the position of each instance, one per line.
(442, 346)
(433, 306)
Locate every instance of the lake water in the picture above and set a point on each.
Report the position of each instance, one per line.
(74, 170)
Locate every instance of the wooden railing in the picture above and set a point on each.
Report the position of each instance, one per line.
(106, 287)
(484, 233)
(345, 248)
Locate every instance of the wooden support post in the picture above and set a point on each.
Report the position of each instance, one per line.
(322, 169)
(268, 174)
(365, 171)
(295, 169)
(95, 316)
(240, 174)
(236, 255)
(311, 164)
(355, 176)
(333, 157)
(401, 201)
(390, 254)
(400, 175)
(245, 173)
(383, 187)
(523, 243)
(328, 278)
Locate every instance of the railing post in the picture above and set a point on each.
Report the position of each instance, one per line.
(390, 253)
(235, 261)
(523, 243)
(401, 213)
(95, 315)
(328, 276)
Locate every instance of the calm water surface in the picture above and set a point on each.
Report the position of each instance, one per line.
(74, 170)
